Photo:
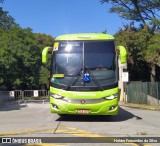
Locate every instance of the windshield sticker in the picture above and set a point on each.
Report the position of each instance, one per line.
(58, 75)
(74, 44)
(86, 77)
(56, 45)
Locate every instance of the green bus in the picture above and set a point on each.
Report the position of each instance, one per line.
(85, 74)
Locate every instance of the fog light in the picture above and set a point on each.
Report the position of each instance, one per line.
(112, 108)
(55, 106)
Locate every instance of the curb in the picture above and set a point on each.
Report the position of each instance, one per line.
(140, 106)
(23, 101)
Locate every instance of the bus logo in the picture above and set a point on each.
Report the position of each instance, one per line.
(83, 101)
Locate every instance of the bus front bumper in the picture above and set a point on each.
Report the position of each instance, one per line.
(107, 107)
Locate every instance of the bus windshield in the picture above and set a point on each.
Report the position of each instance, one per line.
(75, 58)
(68, 58)
(99, 55)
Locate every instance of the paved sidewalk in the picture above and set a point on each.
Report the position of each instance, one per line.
(24, 101)
(140, 106)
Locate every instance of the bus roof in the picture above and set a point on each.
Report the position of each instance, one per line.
(85, 36)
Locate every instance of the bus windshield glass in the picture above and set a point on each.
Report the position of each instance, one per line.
(99, 55)
(75, 58)
(68, 58)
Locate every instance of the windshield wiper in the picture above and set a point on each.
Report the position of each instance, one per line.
(94, 78)
(78, 75)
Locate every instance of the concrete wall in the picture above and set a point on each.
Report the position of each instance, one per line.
(152, 100)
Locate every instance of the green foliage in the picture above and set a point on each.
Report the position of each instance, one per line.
(6, 21)
(143, 42)
(20, 57)
(155, 23)
(136, 40)
(42, 41)
(143, 50)
(44, 76)
(136, 10)
(152, 54)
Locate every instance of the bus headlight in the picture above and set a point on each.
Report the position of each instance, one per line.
(111, 97)
(56, 96)
(66, 99)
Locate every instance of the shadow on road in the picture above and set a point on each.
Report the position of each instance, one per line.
(123, 115)
(9, 107)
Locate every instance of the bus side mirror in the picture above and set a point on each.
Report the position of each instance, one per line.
(46, 54)
(123, 54)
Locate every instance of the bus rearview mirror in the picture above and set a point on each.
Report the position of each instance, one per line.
(123, 54)
(46, 54)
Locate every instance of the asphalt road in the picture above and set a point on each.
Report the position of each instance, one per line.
(35, 120)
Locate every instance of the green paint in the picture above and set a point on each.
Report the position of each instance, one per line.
(101, 108)
(98, 108)
(85, 36)
(80, 94)
(123, 54)
(45, 54)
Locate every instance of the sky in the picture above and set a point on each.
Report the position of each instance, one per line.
(57, 17)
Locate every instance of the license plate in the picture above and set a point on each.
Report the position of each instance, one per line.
(83, 111)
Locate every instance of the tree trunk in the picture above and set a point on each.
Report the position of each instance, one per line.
(153, 73)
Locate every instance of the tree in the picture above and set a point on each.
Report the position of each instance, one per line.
(146, 12)
(44, 77)
(15, 56)
(6, 21)
(42, 41)
(135, 10)
(152, 53)
(136, 41)
(20, 57)
(152, 56)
